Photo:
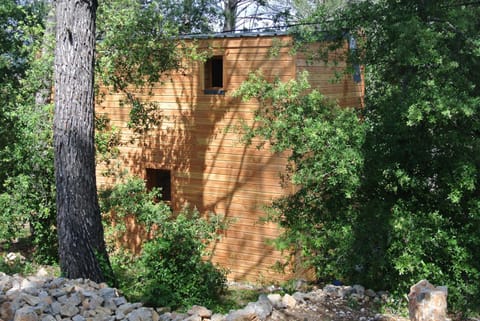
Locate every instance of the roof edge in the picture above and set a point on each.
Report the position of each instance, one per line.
(234, 34)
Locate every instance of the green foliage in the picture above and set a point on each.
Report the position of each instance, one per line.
(136, 47)
(190, 16)
(18, 265)
(393, 198)
(12, 69)
(26, 162)
(420, 198)
(130, 198)
(171, 270)
(324, 142)
(107, 143)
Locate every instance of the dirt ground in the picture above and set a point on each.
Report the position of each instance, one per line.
(331, 303)
(333, 309)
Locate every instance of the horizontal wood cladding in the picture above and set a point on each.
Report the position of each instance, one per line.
(196, 140)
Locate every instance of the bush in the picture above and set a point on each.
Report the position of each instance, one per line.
(170, 269)
(382, 199)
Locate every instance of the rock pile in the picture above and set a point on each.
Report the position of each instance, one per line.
(43, 298)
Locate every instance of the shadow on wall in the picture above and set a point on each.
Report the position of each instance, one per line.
(210, 167)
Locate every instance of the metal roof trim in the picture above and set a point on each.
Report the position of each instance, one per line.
(219, 35)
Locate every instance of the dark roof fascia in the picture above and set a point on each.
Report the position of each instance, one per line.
(220, 35)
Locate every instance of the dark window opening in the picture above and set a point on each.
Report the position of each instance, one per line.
(161, 179)
(214, 76)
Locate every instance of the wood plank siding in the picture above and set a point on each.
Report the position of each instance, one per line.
(208, 165)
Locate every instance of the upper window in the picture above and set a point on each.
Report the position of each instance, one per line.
(213, 74)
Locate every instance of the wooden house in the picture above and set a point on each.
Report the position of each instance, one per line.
(195, 159)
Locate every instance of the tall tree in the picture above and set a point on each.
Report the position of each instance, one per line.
(82, 249)
(253, 14)
(188, 16)
(12, 69)
(393, 198)
(412, 209)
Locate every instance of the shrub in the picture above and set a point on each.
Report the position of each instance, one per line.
(170, 269)
(384, 199)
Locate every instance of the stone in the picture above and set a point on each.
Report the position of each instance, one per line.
(263, 307)
(167, 316)
(346, 291)
(110, 304)
(69, 311)
(155, 315)
(359, 289)
(276, 300)
(57, 293)
(28, 284)
(202, 312)
(55, 307)
(30, 299)
(370, 293)
(14, 257)
(12, 293)
(25, 314)
(331, 290)
(6, 311)
(301, 285)
(119, 301)
(217, 317)
(83, 300)
(92, 302)
(69, 288)
(108, 293)
(427, 302)
(260, 309)
(128, 307)
(356, 297)
(140, 314)
(163, 310)
(300, 297)
(289, 301)
(78, 318)
(62, 299)
(86, 293)
(42, 272)
(102, 312)
(241, 315)
(74, 299)
(178, 316)
(41, 308)
(47, 317)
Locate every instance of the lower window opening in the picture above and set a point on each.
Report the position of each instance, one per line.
(161, 179)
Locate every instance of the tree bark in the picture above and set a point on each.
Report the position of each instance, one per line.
(82, 251)
(230, 15)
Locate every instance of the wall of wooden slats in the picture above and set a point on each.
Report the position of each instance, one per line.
(211, 168)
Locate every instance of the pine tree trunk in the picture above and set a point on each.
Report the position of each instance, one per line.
(82, 250)
(230, 15)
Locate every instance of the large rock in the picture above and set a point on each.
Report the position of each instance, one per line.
(259, 310)
(427, 302)
(6, 311)
(25, 314)
(200, 311)
(68, 310)
(141, 314)
(289, 301)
